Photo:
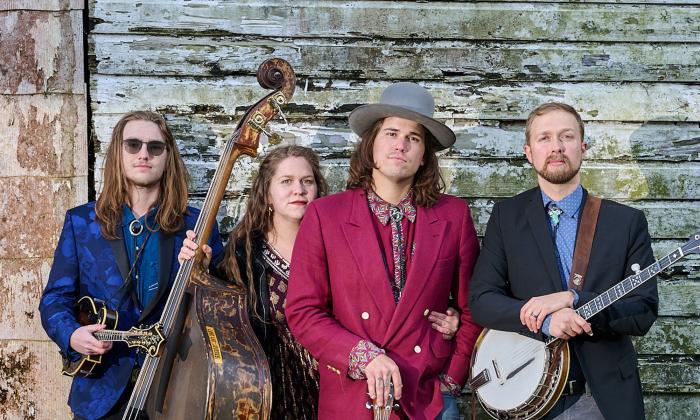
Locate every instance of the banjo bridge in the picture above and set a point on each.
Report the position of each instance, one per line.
(479, 380)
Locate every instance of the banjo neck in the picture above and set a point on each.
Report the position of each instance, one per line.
(626, 286)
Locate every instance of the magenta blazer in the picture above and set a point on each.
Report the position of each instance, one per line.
(339, 294)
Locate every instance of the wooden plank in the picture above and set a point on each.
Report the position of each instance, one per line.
(666, 219)
(679, 297)
(391, 60)
(204, 134)
(688, 268)
(610, 180)
(671, 336)
(43, 135)
(674, 219)
(672, 406)
(671, 219)
(48, 61)
(677, 375)
(394, 20)
(31, 386)
(501, 179)
(233, 95)
(657, 406)
(606, 140)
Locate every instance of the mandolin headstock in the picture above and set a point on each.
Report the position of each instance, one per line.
(148, 338)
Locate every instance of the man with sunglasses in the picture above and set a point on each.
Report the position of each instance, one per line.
(121, 250)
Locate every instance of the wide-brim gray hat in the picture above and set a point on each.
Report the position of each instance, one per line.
(404, 100)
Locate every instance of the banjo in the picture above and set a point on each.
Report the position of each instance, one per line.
(517, 377)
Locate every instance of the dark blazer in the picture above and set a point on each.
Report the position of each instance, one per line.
(339, 294)
(87, 264)
(518, 262)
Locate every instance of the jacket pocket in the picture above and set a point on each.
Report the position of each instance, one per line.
(440, 347)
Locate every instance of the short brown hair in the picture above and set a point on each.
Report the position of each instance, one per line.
(549, 107)
(427, 182)
(172, 200)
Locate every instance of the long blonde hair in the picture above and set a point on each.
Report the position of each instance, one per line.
(172, 198)
(257, 220)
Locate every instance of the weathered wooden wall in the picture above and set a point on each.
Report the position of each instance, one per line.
(631, 69)
(43, 172)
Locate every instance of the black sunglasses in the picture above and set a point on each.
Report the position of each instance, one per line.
(154, 147)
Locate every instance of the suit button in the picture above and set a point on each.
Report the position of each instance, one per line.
(417, 349)
(426, 312)
(365, 315)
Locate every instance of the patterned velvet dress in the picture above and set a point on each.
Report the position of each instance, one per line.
(294, 371)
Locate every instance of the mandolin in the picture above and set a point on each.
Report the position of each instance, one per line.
(94, 311)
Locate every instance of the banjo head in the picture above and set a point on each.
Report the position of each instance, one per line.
(515, 365)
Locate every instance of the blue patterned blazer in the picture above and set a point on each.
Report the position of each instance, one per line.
(87, 264)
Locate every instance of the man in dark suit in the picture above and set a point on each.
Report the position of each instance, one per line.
(520, 282)
(121, 250)
(371, 264)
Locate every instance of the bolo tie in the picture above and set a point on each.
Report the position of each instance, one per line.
(396, 215)
(135, 229)
(553, 211)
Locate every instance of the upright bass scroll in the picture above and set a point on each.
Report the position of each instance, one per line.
(213, 366)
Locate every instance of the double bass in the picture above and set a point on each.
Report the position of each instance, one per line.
(212, 365)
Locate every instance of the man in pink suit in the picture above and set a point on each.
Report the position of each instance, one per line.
(371, 264)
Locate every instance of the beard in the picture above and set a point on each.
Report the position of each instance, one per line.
(561, 175)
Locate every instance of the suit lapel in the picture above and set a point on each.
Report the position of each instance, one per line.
(430, 233)
(538, 224)
(119, 252)
(166, 246)
(118, 294)
(364, 247)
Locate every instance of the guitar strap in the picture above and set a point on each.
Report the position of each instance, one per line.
(584, 242)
